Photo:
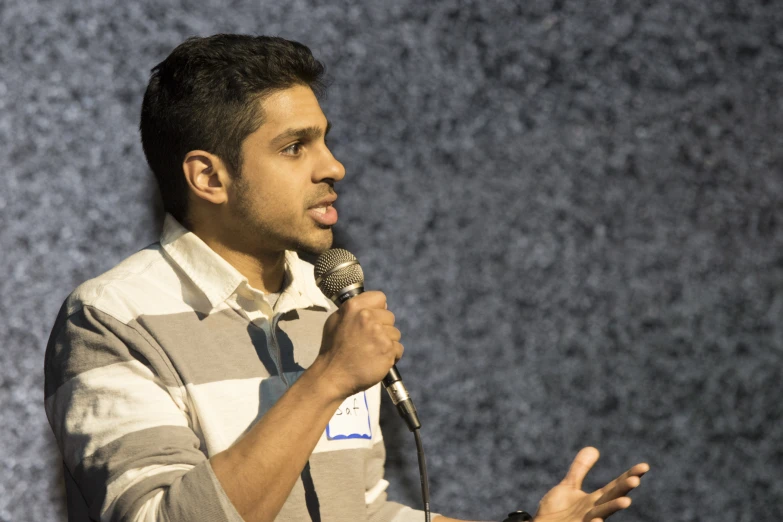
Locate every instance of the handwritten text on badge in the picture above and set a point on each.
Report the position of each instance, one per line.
(351, 420)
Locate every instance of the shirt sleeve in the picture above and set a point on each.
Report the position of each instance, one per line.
(121, 419)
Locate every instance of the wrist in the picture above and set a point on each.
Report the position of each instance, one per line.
(318, 380)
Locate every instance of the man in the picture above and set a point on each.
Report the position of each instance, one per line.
(206, 377)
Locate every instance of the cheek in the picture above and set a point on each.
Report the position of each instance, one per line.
(280, 205)
(271, 195)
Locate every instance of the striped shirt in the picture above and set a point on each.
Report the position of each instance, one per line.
(169, 358)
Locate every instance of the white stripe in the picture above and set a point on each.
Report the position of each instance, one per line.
(139, 285)
(151, 510)
(225, 410)
(129, 479)
(374, 492)
(407, 514)
(101, 405)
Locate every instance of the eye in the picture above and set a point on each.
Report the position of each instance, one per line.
(293, 149)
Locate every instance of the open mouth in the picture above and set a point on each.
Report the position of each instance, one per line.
(324, 214)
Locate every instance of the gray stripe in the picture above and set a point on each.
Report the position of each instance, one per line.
(159, 445)
(236, 348)
(134, 497)
(304, 328)
(228, 507)
(329, 476)
(339, 478)
(294, 508)
(78, 510)
(89, 339)
(374, 463)
(380, 510)
(211, 348)
(232, 346)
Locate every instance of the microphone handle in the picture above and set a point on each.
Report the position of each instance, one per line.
(399, 396)
(392, 382)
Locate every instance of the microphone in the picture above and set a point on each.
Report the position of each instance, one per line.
(339, 276)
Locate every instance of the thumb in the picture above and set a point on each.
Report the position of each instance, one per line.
(583, 462)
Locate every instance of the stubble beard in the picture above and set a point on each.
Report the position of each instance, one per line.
(315, 250)
(272, 237)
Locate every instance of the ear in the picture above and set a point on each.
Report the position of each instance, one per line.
(206, 176)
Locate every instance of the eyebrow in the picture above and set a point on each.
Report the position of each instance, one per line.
(304, 134)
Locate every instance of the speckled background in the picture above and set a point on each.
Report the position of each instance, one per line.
(574, 207)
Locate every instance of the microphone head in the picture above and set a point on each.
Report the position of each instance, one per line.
(336, 270)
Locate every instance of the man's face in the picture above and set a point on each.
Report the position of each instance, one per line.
(282, 200)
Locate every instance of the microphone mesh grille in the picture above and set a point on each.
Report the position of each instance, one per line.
(333, 283)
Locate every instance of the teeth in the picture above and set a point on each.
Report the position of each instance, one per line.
(320, 210)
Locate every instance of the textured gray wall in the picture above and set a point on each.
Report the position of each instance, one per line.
(574, 207)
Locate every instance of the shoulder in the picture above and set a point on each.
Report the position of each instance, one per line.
(143, 283)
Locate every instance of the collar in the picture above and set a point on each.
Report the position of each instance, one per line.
(219, 280)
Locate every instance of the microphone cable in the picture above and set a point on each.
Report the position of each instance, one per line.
(425, 487)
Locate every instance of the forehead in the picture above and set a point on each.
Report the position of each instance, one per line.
(296, 106)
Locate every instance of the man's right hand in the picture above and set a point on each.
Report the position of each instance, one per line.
(360, 344)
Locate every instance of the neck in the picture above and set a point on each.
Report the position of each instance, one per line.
(264, 271)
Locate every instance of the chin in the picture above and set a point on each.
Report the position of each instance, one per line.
(316, 246)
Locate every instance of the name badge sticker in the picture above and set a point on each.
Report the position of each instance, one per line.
(351, 420)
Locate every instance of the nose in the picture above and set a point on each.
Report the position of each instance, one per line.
(329, 168)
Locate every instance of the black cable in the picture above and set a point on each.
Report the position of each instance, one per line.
(311, 497)
(425, 487)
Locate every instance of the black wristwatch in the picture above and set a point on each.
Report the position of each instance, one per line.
(518, 516)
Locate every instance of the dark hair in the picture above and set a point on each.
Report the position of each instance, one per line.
(205, 95)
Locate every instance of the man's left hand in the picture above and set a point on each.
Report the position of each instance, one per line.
(566, 502)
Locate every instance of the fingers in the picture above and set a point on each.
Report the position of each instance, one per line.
(369, 308)
(599, 513)
(399, 349)
(371, 305)
(620, 488)
(369, 299)
(372, 316)
(392, 333)
(623, 484)
(584, 461)
(394, 336)
(383, 317)
(359, 344)
(384, 321)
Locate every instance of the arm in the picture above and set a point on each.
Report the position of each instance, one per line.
(121, 418)
(259, 471)
(122, 423)
(359, 346)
